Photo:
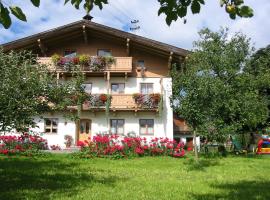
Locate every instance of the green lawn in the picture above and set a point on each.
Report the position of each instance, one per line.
(61, 177)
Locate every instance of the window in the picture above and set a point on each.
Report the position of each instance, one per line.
(51, 125)
(140, 64)
(118, 88)
(104, 52)
(146, 88)
(87, 87)
(146, 126)
(85, 126)
(117, 126)
(70, 53)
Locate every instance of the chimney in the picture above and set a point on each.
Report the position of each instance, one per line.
(88, 17)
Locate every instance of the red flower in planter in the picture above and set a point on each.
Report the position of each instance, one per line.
(103, 97)
(75, 60)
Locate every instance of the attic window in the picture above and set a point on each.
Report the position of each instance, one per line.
(140, 66)
(70, 53)
(104, 52)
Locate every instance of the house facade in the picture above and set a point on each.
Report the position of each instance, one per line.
(138, 81)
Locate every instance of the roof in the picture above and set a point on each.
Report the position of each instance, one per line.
(89, 25)
(180, 125)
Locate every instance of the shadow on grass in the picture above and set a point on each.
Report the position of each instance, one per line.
(42, 179)
(202, 164)
(244, 190)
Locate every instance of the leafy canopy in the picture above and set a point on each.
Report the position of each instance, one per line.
(214, 93)
(27, 89)
(173, 9)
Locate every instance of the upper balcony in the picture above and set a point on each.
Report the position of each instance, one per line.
(93, 65)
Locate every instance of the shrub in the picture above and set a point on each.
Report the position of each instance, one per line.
(25, 144)
(55, 147)
(68, 140)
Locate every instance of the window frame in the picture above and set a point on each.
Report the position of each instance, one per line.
(70, 50)
(147, 88)
(104, 50)
(87, 129)
(140, 61)
(51, 126)
(118, 88)
(117, 126)
(147, 132)
(85, 83)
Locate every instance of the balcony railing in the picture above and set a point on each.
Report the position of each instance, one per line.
(136, 101)
(121, 64)
(122, 102)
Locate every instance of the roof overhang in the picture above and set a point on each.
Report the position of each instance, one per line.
(76, 28)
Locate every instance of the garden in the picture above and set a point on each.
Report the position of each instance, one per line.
(57, 176)
(114, 167)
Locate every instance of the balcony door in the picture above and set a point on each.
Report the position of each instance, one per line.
(84, 129)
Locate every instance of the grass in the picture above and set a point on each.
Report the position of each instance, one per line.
(61, 177)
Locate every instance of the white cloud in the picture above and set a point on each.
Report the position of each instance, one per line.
(119, 13)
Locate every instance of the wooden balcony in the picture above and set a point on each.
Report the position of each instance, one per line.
(118, 102)
(127, 102)
(121, 65)
(123, 102)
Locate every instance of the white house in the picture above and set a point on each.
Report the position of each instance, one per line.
(141, 68)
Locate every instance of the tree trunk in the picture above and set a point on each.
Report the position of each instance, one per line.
(195, 145)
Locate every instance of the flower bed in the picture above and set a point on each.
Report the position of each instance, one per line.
(25, 144)
(147, 100)
(116, 147)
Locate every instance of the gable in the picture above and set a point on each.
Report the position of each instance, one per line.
(85, 30)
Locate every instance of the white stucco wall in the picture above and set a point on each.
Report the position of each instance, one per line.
(163, 122)
(65, 127)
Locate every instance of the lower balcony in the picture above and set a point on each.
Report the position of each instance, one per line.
(123, 102)
(136, 102)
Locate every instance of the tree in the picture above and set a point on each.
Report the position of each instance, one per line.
(214, 93)
(259, 67)
(173, 9)
(27, 89)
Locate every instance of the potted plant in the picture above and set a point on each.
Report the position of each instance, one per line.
(84, 60)
(55, 59)
(137, 97)
(68, 141)
(103, 98)
(110, 60)
(97, 63)
(155, 97)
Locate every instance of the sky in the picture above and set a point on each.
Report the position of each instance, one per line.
(119, 14)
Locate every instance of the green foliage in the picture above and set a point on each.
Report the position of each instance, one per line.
(259, 68)
(5, 10)
(173, 9)
(55, 58)
(27, 89)
(178, 9)
(215, 94)
(83, 59)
